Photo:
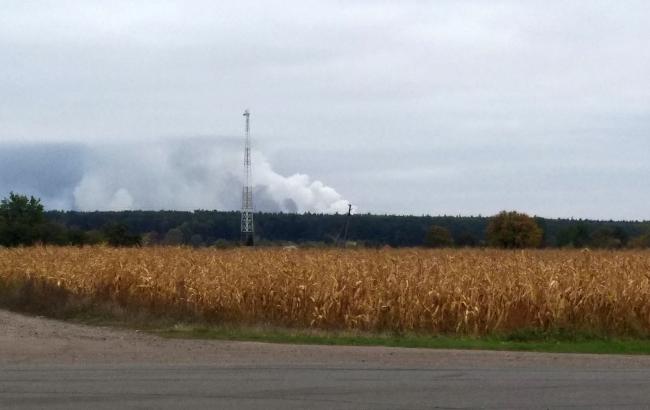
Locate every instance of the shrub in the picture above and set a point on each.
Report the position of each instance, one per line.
(514, 230)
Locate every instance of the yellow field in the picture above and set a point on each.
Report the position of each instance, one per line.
(450, 291)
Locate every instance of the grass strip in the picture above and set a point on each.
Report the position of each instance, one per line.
(535, 343)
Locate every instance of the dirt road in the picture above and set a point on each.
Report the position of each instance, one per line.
(62, 365)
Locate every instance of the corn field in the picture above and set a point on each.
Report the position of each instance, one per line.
(473, 292)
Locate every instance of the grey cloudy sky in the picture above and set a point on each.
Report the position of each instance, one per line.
(418, 107)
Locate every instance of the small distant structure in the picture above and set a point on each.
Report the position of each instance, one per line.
(342, 237)
(247, 226)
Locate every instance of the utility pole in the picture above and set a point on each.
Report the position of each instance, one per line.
(344, 231)
(247, 229)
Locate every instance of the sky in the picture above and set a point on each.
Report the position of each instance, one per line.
(410, 107)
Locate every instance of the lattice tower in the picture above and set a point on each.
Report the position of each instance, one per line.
(247, 229)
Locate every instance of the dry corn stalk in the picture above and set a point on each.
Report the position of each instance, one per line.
(434, 291)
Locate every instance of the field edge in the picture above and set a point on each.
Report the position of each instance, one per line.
(536, 343)
(180, 328)
(522, 340)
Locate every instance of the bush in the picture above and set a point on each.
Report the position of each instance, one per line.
(609, 237)
(119, 235)
(642, 241)
(438, 237)
(514, 230)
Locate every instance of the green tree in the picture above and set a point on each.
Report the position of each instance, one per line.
(78, 237)
(641, 241)
(95, 237)
(51, 233)
(117, 234)
(196, 240)
(577, 236)
(438, 237)
(610, 237)
(513, 230)
(465, 239)
(173, 237)
(21, 220)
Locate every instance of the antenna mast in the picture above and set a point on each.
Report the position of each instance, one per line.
(247, 230)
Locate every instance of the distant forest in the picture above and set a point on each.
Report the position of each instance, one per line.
(209, 228)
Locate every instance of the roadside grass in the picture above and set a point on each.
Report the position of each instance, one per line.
(184, 328)
(521, 341)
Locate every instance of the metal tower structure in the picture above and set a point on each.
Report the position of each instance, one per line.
(247, 229)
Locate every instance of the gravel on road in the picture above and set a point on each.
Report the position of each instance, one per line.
(61, 365)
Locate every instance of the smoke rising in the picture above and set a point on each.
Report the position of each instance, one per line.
(178, 174)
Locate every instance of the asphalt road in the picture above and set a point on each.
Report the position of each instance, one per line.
(48, 364)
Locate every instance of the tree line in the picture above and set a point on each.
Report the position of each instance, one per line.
(23, 221)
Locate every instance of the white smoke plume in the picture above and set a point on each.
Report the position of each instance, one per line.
(197, 173)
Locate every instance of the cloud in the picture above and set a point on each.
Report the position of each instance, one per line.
(178, 174)
(407, 107)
